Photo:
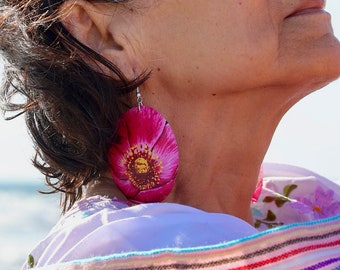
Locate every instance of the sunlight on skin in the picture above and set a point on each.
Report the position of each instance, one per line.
(308, 136)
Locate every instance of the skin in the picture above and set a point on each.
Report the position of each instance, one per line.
(224, 74)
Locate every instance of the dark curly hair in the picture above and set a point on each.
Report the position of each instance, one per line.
(70, 108)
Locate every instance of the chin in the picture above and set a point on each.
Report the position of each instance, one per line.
(330, 69)
(317, 67)
(308, 48)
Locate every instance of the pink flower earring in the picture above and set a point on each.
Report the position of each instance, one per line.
(145, 161)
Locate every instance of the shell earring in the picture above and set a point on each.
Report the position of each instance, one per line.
(145, 161)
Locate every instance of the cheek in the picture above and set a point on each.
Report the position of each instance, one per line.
(216, 61)
(246, 53)
(248, 60)
(237, 51)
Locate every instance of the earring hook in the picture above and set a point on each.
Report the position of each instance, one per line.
(139, 99)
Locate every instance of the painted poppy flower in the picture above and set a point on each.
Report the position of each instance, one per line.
(144, 163)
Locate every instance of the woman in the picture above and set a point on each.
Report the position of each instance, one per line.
(98, 75)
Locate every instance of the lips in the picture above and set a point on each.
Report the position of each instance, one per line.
(307, 7)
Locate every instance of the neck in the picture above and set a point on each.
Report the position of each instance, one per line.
(222, 143)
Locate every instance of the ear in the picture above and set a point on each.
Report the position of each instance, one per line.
(91, 24)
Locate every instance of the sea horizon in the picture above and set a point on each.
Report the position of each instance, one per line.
(27, 217)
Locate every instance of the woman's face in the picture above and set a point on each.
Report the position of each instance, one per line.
(237, 44)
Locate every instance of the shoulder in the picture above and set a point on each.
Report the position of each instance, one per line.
(98, 227)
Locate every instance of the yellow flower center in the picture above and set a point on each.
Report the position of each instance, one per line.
(317, 209)
(142, 167)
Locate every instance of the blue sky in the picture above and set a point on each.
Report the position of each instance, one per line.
(308, 136)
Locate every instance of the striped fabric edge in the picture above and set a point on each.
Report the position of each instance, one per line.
(309, 245)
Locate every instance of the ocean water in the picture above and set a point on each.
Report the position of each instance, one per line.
(26, 217)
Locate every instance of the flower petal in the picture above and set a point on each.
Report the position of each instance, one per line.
(323, 198)
(156, 194)
(116, 162)
(259, 186)
(127, 188)
(143, 127)
(123, 144)
(123, 183)
(301, 207)
(167, 150)
(332, 209)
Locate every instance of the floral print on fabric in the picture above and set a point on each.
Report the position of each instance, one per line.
(322, 204)
(258, 188)
(279, 200)
(291, 194)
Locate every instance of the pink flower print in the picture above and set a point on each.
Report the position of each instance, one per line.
(322, 206)
(258, 188)
(144, 163)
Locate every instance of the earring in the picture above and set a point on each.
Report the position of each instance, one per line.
(144, 162)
